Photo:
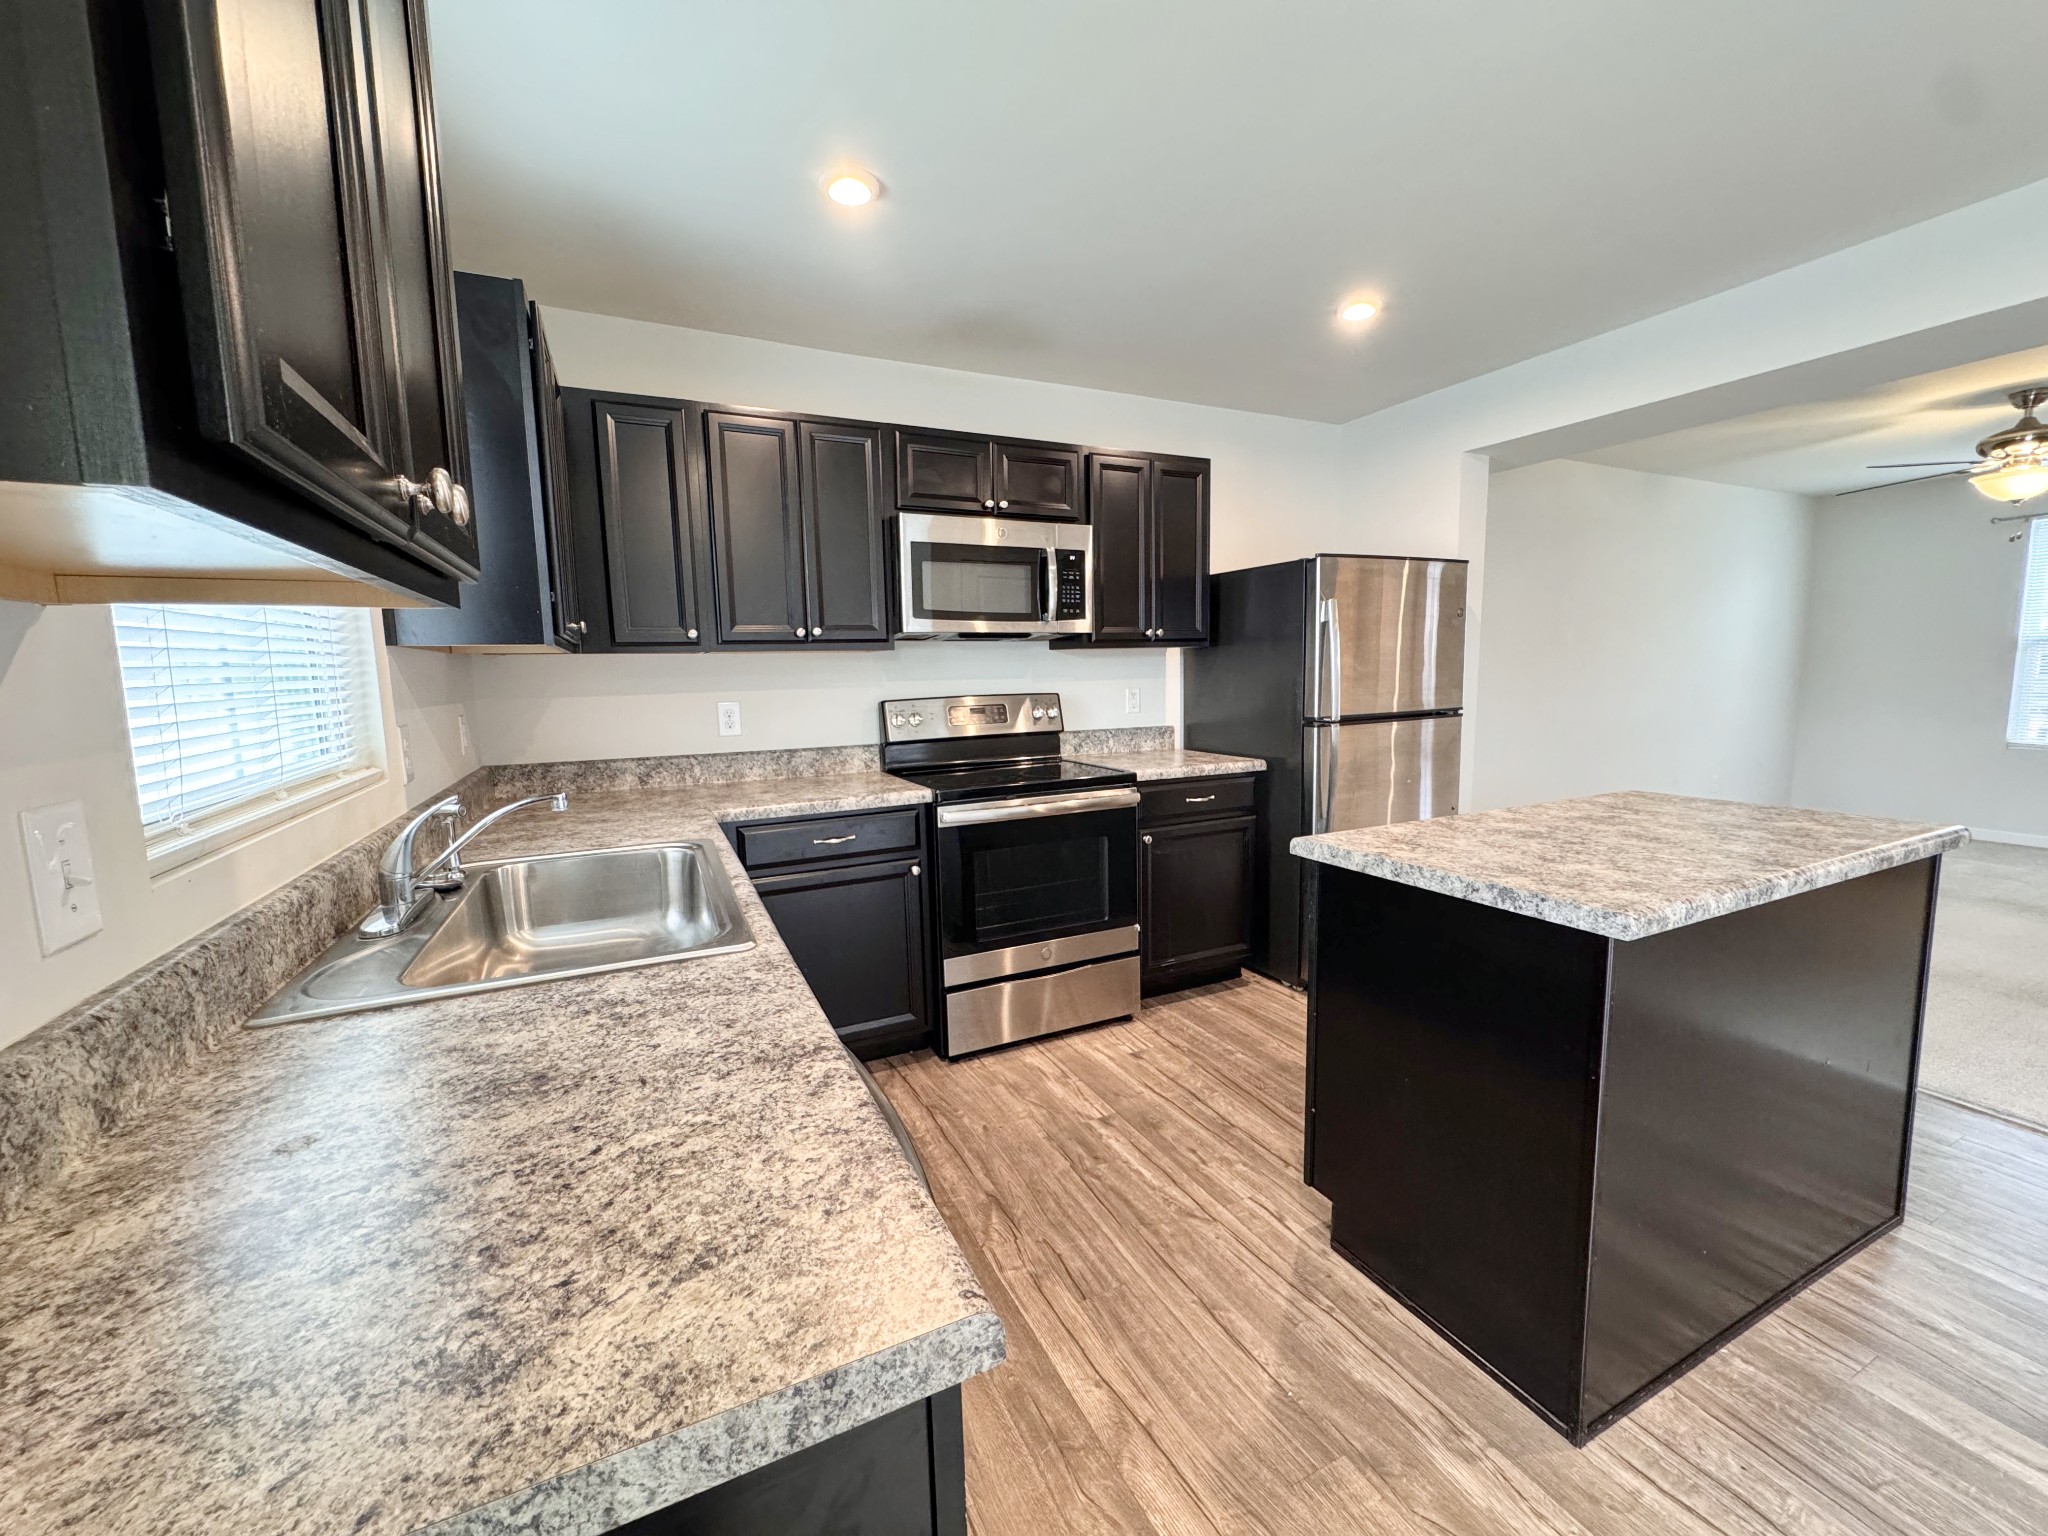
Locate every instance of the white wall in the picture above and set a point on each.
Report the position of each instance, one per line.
(1912, 628)
(66, 738)
(1642, 632)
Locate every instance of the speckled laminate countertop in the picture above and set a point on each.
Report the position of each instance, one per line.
(1631, 864)
(540, 1259)
(1174, 763)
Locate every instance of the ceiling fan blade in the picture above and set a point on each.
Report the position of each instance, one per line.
(1909, 480)
(1922, 464)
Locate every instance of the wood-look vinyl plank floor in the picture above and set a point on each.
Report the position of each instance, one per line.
(1188, 1355)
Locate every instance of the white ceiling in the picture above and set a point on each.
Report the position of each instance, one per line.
(1169, 197)
(1828, 446)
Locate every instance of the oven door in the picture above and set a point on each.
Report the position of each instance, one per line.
(1036, 882)
(981, 576)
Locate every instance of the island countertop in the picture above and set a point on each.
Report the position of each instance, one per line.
(1630, 864)
(539, 1259)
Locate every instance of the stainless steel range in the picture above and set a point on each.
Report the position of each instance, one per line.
(1037, 867)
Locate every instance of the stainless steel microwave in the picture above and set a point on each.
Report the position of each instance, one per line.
(993, 576)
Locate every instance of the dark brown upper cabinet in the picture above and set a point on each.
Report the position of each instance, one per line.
(1150, 517)
(846, 574)
(306, 221)
(796, 530)
(527, 596)
(954, 472)
(639, 543)
(232, 350)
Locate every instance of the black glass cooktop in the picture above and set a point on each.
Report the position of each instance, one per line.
(992, 781)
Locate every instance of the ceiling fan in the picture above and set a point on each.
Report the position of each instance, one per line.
(2011, 466)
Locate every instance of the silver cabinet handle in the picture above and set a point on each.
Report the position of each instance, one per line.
(1148, 839)
(1197, 799)
(799, 631)
(826, 842)
(1024, 808)
(692, 634)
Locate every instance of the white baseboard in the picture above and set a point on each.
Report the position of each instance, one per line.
(2023, 839)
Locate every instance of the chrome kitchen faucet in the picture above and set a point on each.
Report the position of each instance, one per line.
(403, 892)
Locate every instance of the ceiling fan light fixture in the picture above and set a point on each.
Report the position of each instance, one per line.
(2015, 481)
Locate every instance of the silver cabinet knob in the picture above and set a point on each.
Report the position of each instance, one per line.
(990, 505)
(458, 506)
(580, 627)
(1148, 839)
(692, 634)
(917, 869)
(1002, 504)
(800, 631)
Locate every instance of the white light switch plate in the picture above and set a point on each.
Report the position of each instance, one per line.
(60, 873)
(728, 719)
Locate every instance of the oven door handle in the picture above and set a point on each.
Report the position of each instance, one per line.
(1028, 807)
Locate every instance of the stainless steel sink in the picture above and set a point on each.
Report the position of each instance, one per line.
(521, 921)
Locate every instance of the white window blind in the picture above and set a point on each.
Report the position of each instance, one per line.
(2027, 726)
(233, 711)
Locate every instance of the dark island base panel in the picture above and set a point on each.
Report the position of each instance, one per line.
(1589, 1163)
(904, 1474)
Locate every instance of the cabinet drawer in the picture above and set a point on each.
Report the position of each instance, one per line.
(1192, 799)
(764, 843)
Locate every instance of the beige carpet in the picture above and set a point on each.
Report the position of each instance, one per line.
(1986, 1038)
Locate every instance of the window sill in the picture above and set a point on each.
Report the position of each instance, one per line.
(170, 855)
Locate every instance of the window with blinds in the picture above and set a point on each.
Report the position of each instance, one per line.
(237, 716)
(2027, 725)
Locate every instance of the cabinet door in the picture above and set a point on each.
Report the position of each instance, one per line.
(1180, 550)
(943, 472)
(304, 206)
(1119, 510)
(845, 579)
(857, 934)
(1195, 895)
(643, 501)
(756, 529)
(412, 259)
(1034, 481)
(551, 433)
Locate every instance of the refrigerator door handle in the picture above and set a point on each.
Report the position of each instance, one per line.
(1322, 779)
(1333, 658)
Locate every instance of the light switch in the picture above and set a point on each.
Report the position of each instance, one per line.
(728, 719)
(60, 873)
(1130, 701)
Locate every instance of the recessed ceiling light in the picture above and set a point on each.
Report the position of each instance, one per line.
(1358, 311)
(853, 187)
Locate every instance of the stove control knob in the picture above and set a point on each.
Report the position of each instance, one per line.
(917, 719)
(1052, 711)
(1045, 951)
(897, 718)
(1037, 714)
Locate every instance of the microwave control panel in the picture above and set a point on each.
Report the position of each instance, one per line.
(1070, 599)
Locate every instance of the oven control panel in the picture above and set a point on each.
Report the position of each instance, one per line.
(1070, 589)
(974, 714)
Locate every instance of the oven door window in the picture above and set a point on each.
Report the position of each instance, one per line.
(1022, 882)
(977, 581)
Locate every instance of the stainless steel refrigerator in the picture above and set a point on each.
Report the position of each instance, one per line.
(1347, 674)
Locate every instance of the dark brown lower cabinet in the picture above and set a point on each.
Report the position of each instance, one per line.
(855, 927)
(1194, 882)
(903, 1474)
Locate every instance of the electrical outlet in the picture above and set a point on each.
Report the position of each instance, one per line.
(405, 750)
(728, 719)
(1130, 701)
(60, 874)
(462, 735)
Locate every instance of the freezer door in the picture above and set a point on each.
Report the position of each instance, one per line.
(1388, 638)
(1366, 773)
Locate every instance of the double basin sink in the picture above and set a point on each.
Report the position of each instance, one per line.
(520, 921)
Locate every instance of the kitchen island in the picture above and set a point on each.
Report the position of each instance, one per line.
(1595, 1084)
